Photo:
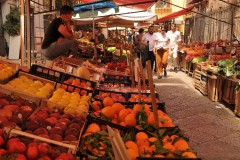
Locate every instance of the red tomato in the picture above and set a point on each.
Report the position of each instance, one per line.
(44, 158)
(32, 152)
(11, 141)
(43, 148)
(2, 152)
(19, 157)
(1, 140)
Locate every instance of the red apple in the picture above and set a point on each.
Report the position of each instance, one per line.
(56, 137)
(74, 125)
(62, 126)
(39, 131)
(56, 115)
(72, 131)
(52, 120)
(70, 137)
(64, 120)
(11, 107)
(56, 131)
(32, 125)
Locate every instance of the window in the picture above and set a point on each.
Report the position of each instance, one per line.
(163, 4)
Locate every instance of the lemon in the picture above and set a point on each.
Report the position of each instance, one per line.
(70, 111)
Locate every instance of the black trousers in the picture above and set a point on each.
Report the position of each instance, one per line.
(152, 58)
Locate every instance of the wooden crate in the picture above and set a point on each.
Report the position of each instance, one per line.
(229, 91)
(214, 88)
(203, 84)
(237, 104)
(196, 79)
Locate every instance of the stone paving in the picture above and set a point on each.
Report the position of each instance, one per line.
(212, 128)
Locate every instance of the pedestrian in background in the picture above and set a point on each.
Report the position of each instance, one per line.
(161, 52)
(138, 48)
(174, 38)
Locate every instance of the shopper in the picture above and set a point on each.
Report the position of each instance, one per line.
(59, 39)
(149, 39)
(174, 37)
(138, 48)
(100, 36)
(161, 52)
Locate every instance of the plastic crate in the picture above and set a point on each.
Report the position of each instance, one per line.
(91, 85)
(117, 78)
(46, 73)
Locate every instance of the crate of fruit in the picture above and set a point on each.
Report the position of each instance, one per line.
(23, 145)
(95, 141)
(16, 109)
(116, 96)
(46, 73)
(80, 82)
(58, 124)
(145, 97)
(7, 70)
(24, 82)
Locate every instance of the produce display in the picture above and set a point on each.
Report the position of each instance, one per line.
(6, 71)
(71, 103)
(23, 148)
(119, 66)
(36, 87)
(14, 111)
(228, 67)
(55, 124)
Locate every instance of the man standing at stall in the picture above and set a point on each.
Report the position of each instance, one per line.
(174, 37)
(59, 38)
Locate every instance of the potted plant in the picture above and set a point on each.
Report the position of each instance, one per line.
(12, 27)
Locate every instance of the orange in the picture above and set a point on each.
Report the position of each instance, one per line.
(133, 154)
(76, 82)
(131, 100)
(159, 156)
(96, 105)
(167, 124)
(152, 139)
(166, 139)
(123, 124)
(115, 121)
(131, 145)
(93, 128)
(141, 136)
(130, 120)
(143, 142)
(118, 107)
(169, 146)
(189, 154)
(160, 113)
(173, 137)
(147, 109)
(108, 101)
(108, 112)
(150, 118)
(144, 149)
(170, 155)
(122, 114)
(153, 148)
(181, 145)
(136, 108)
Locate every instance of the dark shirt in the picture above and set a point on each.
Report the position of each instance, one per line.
(52, 33)
(101, 38)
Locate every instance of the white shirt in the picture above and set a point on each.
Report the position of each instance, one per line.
(174, 38)
(161, 40)
(151, 38)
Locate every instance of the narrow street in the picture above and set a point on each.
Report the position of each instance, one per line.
(212, 128)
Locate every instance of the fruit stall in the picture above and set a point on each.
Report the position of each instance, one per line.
(51, 113)
(216, 72)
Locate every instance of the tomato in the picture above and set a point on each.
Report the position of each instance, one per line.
(19, 157)
(16, 146)
(44, 158)
(1, 140)
(2, 152)
(32, 152)
(43, 148)
(11, 141)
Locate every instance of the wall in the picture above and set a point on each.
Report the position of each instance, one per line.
(5, 10)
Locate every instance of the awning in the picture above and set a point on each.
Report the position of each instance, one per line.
(136, 4)
(175, 14)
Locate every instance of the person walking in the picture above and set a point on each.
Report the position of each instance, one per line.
(174, 37)
(161, 52)
(138, 48)
(59, 39)
(149, 40)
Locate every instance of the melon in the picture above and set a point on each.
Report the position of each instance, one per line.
(83, 73)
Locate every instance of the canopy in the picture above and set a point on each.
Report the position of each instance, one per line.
(175, 14)
(136, 4)
(194, 1)
(95, 6)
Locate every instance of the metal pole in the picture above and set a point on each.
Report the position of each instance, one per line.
(22, 32)
(28, 34)
(93, 22)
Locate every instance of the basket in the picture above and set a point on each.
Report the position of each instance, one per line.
(46, 73)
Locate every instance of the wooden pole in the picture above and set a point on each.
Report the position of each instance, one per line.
(141, 71)
(28, 34)
(22, 32)
(139, 85)
(153, 94)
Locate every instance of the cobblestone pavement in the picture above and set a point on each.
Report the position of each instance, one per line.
(212, 128)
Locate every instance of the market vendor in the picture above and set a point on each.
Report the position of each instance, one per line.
(59, 39)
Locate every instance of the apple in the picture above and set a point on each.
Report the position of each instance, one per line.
(70, 137)
(64, 120)
(56, 137)
(62, 126)
(56, 115)
(40, 130)
(52, 120)
(56, 131)
(74, 125)
(11, 107)
(72, 131)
